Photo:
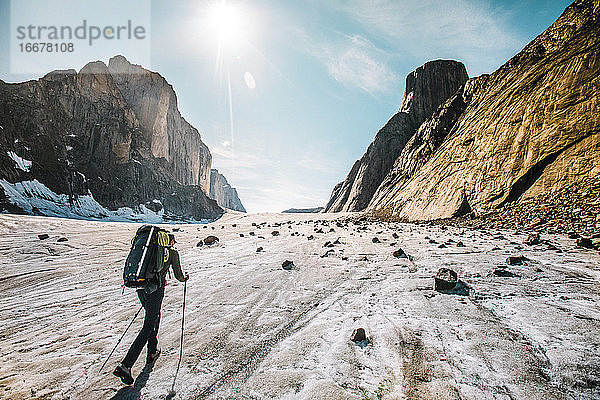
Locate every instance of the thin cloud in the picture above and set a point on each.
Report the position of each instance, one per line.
(469, 31)
(357, 62)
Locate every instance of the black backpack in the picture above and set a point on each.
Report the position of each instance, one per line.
(146, 257)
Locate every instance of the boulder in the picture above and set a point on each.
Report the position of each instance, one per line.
(43, 236)
(210, 240)
(516, 260)
(287, 265)
(532, 239)
(358, 335)
(445, 279)
(584, 242)
(62, 239)
(328, 253)
(400, 254)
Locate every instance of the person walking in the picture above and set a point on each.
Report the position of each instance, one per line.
(151, 297)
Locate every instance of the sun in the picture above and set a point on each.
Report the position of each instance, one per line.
(227, 21)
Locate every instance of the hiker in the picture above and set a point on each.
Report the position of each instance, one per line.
(151, 296)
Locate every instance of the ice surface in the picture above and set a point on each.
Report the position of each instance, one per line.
(256, 331)
(36, 198)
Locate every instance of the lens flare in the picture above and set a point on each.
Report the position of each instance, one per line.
(227, 20)
(249, 79)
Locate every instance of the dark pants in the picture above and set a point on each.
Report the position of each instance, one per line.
(151, 303)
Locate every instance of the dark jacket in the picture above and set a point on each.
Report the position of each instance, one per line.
(160, 279)
(173, 263)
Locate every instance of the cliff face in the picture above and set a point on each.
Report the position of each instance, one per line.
(90, 133)
(225, 195)
(426, 89)
(530, 128)
(169, 135)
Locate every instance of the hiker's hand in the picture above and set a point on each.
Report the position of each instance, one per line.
(186, 277)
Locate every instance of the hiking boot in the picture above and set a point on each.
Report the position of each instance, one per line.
(124, 373)
(151, 358)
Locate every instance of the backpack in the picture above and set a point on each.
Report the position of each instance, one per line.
(147, 256)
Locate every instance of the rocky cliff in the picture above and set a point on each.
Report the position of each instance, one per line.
(531, 128)
(426, 89)
(225, 195)
(110, 133)
(170, 136)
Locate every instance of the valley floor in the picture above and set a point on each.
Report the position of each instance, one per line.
(256, 331)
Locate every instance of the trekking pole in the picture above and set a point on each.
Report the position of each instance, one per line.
(121, 338)
(181, 342)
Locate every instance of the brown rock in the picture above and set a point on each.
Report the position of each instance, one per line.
(516, 260)
(210, 240)
(400, 254)
(445, 279)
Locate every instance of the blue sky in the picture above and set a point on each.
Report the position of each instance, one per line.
(327, 75)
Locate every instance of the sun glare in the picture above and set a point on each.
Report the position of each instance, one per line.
(226, 20)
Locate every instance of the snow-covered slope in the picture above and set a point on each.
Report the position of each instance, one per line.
(256, 331)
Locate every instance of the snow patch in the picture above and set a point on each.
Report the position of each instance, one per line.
(34, 197)
(22, 163)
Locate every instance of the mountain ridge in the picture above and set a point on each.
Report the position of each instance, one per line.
(108, 135)
(526, 131)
